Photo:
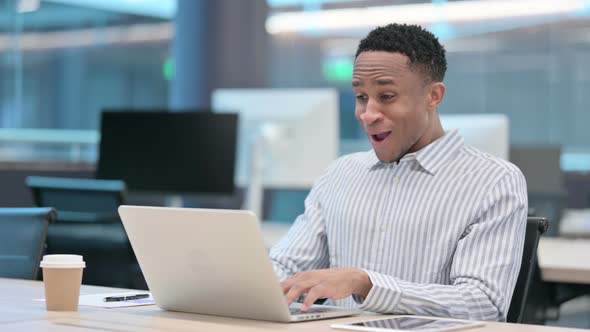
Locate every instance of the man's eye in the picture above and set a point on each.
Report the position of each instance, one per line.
(387, 97)
(361, 98)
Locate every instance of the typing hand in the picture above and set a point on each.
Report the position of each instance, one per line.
(330, 284)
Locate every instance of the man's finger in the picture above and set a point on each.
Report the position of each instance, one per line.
(286, 287)
(316, 292)
(289, 282)
(296, 291)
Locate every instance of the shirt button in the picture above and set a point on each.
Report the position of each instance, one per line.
(396, 180)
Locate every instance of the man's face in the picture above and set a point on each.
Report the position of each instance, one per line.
(393, 103)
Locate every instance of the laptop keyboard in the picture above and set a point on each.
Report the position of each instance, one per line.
(312, 310)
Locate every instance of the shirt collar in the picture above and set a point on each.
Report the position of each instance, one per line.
(431, 157)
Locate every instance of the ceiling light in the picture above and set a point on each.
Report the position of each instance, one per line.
(428, 13)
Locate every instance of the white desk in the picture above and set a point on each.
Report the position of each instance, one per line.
(565, 260)
(560, 260)
(19, 313)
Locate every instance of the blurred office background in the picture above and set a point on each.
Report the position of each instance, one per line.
(62, 62)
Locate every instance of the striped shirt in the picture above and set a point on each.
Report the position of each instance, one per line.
(440, 233)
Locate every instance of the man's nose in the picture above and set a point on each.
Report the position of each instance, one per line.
(371, 114)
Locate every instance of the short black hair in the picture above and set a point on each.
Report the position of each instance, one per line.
(426, 54)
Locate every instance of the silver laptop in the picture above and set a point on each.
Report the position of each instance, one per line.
(211, 262)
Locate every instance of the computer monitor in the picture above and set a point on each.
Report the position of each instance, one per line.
(169, 152)
(540, 166)
(299, 126)
(487, 132)
(287, 137)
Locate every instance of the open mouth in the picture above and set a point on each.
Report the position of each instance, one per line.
(380, 137)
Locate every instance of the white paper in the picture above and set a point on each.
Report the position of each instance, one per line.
(97, 300)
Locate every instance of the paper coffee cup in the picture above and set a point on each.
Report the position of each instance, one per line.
(62, 277)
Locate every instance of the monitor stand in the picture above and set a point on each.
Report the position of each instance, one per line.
(268, 135)
(174, 201)
(255, 191)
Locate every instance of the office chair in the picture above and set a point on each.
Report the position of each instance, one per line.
(22, 240)
(88, 224)
(79, 200)
(520, 304)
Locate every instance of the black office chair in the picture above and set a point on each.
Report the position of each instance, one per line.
(88, 224)
(529, 267)
(79, 200)
(22, 240)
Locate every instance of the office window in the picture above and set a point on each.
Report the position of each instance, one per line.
(63, 61)
(528, 64)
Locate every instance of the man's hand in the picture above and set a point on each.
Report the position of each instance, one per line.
(326, 284)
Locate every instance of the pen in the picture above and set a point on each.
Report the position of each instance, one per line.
(125, 298)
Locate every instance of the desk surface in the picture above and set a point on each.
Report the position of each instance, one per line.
(560, 259)
(19, 313)
(564, 260)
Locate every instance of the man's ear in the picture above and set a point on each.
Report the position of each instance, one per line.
(436, 94)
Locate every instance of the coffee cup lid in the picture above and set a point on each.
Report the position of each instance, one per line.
(63, 261)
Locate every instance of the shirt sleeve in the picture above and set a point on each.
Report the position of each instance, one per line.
(484, 269)
(305, 245)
